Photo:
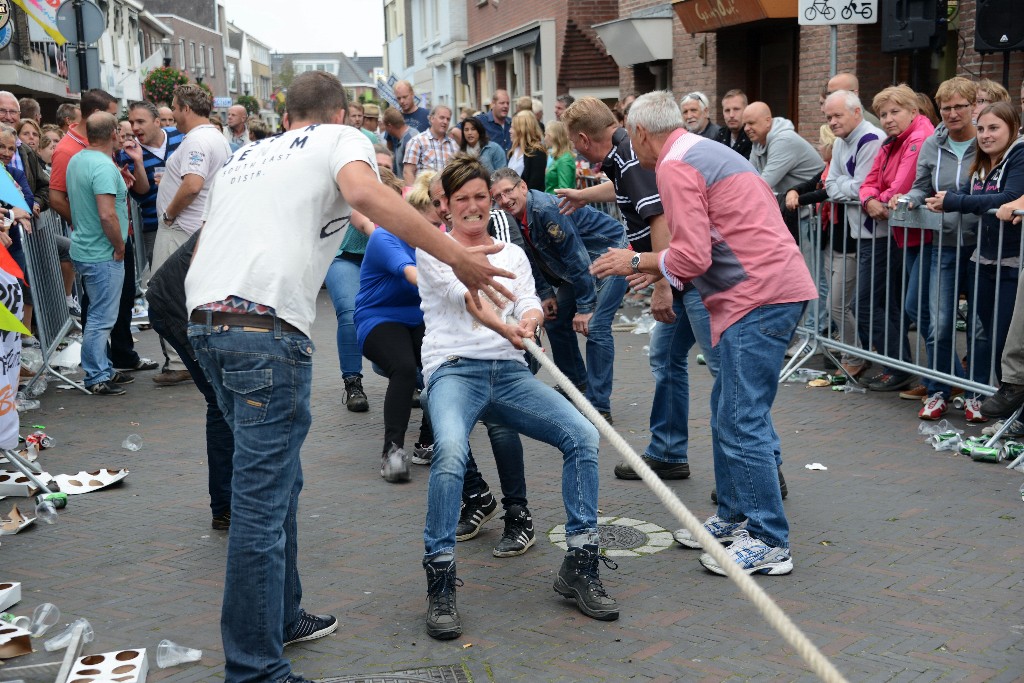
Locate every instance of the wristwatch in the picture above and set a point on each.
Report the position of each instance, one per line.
(167, 219)
(635, 262)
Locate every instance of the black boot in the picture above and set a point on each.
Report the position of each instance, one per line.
(443, 620)
(355, 397)
(578, 579)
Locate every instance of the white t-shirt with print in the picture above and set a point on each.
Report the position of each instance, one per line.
(451, 330)
(203, 151)
(275, 220)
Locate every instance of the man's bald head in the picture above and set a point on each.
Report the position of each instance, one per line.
(757, 122)
(844, 81)
(100, 127)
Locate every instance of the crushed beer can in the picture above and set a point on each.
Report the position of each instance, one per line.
(977, 450)
(40, 439)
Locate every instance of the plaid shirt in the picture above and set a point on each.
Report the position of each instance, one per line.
(426, 151)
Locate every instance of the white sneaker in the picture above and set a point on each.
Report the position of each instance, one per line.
(722, 530)
(753, 557)
(972, 410)
(934, 408)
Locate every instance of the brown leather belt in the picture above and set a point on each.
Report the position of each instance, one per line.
(262, 323)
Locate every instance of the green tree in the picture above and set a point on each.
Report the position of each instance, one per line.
(251, 104)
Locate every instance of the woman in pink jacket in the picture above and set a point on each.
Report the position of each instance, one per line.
(880, 317)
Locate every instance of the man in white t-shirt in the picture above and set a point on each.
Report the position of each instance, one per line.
(274, 221)
(183, 190)
(185, 184)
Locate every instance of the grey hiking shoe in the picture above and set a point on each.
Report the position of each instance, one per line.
(355, 397)
(443, 622)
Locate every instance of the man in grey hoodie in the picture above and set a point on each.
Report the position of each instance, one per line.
(785, 160)
(853, 153)
(944, 164)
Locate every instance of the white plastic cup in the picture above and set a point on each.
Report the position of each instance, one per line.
(46, 512)
(169, 653)
(132, 442)
(63, 639)
(44, 616)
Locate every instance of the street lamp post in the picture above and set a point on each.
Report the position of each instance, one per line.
(200, 74)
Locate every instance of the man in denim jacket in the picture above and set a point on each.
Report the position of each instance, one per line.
(564, 247)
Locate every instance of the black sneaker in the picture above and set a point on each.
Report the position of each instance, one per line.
(782, 487)
(141, 365)
(476, 510)
(607, 415)
(105, 389)
(416, 398)
(394, 465)
(310, 627)
(1004, 402)
(664, 470)
(443, 620)
(355, 397)
(296, 678)
(222, 522)
(579, 580)
(422, 454)
(890, 381)
(518, 535)
(121, 378)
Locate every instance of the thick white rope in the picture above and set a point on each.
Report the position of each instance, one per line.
(771, 612)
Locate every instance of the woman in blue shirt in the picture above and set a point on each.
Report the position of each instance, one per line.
(476, 143)
(389, 329)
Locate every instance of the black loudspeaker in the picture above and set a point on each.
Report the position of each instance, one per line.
(913, 24)
(998, 26)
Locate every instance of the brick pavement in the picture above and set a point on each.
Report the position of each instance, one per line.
(908, 561)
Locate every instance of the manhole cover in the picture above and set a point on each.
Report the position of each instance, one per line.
(622, 537)
(436, 674)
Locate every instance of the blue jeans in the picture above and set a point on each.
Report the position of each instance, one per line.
(947, 278)
(464, 390)
(220, 443)
(879, 292)
(751, 353)
(993, 282)
(918, 264)
(262, 381)
(565, 349)
(103, 282)
(343, 284)
(814, 257)
(670, 349)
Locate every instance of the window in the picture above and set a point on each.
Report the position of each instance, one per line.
(202, 56)
(232, 77)
(181, 54)
(212, 61)
(192, 47)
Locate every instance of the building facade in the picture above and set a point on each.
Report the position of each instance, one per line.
(760, 47)
(540, 48)
(198, 47)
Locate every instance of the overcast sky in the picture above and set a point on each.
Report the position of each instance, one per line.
(313, 25)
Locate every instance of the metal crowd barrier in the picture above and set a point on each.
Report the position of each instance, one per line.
(50, 308)
(583, 181)
(873, 293)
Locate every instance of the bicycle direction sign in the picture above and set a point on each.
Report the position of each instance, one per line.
(835, 12)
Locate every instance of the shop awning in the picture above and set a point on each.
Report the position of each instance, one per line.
(501, 46)
(703, 16)
(638, 39)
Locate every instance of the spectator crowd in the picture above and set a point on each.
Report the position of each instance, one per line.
(448, 239)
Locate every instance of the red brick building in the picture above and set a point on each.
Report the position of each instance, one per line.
(758, 46)
(540, 48)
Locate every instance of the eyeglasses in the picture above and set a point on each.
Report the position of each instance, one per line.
(15, 112)
(954, 108)
(506, 194)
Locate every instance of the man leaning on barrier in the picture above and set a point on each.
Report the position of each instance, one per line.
(728, 238)
(1010, 396)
